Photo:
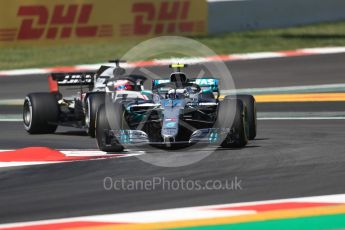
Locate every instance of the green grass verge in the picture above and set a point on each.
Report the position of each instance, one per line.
(321, 35)
(306, 223)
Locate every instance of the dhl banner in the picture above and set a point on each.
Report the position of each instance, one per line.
(42, 22)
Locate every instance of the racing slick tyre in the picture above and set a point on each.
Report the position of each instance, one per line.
(40, 113)
(249, 102)
(93, 102)
(104, 141)
(238, 137)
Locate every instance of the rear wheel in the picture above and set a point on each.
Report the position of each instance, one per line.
(40, 113)
(93, 102)
(104, 141)
(238, 137)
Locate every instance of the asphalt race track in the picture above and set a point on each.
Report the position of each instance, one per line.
(289, 158)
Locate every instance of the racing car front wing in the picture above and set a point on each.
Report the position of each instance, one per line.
(138, 137)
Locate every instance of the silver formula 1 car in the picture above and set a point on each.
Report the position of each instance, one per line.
(177, 111)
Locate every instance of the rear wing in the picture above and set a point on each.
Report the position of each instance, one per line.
(70, 79)
(206, 84)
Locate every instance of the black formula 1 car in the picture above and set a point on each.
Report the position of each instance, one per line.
(73, 100)
(177, 111)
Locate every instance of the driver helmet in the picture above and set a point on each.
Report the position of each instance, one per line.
(178, 77)
(124, 85)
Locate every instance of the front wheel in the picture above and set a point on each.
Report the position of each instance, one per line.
(237, 138)
(104, 141)
(250, 104)
(93, 102)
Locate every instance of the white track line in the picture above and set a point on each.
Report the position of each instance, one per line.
(191, 60)
(325, 50)
(92, 153)
(338, 115)
(290, 89)
(12, 101)
(10, 120)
